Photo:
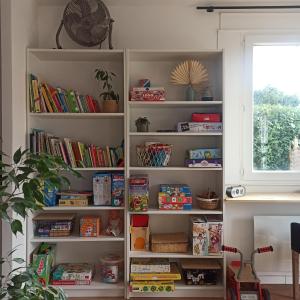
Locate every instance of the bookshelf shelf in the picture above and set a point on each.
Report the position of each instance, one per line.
(155, 211)
(173, 169)
(81, 208)
(75, 239)
(77, 115)
(175, 133)
(99, 169)
(95, 285)
(149, 254)
(174, 104)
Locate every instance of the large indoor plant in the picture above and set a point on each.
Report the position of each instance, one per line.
(22, 192)
(109, 96)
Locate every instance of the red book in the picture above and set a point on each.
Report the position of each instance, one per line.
(91, 156)
(71, 282)
(90, 104)
(54, 96)
(76, 152)
(96, 105)
(101, 158)
(94, 151)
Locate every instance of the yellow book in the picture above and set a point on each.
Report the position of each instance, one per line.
(173, 275)
(47, 101)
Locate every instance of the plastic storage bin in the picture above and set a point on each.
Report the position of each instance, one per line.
(111, 268)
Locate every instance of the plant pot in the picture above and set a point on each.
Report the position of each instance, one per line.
(110, 106)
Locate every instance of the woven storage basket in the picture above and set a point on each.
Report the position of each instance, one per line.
(209, 204)
(155, 155)
(169, 243)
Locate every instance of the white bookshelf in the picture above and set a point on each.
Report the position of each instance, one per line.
(74, 69)
(156, 65)
(109, 129)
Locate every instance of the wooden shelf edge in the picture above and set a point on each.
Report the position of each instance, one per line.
(266, 198)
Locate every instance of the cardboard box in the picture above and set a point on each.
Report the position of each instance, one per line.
(199, 127)
(215, 229)
(139, 238)
(152, 286)
(117, 189)
(102, 189)
(203, 163)
(150, 265)
(169, 242)
(138, 192)
(43, 259)
(90, 226)
(199, 117)
(200, 236)
(205, 153)
(148, 94)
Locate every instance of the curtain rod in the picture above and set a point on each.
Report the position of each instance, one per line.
(212, 8)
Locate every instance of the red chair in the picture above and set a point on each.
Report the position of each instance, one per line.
(295, 246)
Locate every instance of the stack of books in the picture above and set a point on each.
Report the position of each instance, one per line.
(47, 99)
(153, 275)
(74, 153)
(73, 274)
(74, 198)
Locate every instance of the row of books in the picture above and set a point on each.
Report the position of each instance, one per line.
(46, 99)
(74, 153)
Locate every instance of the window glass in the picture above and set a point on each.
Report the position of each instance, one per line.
(276, 108)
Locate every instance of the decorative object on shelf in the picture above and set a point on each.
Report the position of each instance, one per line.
(208, 200)
(73, 274)
(46, 99)
(115, 224)
(90, 226)
(153, 154)
(207, 94)
(147, 94)
(109, 96)
(169, 242)
(138, 192)
(174, 197)
(112, 268)
(236, 191)
(142, 124)
(190, 73)
(87, 22)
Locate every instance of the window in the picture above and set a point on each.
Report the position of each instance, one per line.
(272, 110)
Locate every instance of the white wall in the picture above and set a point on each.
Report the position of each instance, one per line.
(161, 24)
(18, 32)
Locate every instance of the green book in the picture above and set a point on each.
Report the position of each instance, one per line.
(71, 98)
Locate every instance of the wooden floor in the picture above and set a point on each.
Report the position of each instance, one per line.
(278, 292)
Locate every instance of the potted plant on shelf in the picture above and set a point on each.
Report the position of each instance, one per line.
(109, 96)
(22, 191)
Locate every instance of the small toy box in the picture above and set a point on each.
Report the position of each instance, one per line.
(138, 192)
(53, 224)
(102, 189)
(139, 232)
(117, 189)
(42, 260)
(203, 163)
(169, 242)
(199, 127)
(73, 274)
(90, 226)
(175, 196)
(152, 286)
(199, 236)
(150, 265)
(50, 195)
(74, 198)
(200, 272)
(205, 153)
(147, 94)
(215, 229)
(210, 118)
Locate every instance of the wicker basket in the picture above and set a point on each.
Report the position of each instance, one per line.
(155, 155)
(169, 243)
(208, 204)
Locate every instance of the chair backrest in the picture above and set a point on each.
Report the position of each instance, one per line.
(295, 237)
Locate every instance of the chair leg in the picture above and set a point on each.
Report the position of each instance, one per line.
(295, 267)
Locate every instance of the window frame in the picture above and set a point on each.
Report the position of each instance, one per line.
(250, 175)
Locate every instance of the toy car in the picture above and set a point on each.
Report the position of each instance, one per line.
(242, 280)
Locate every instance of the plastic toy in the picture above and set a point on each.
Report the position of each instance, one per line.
(242, 280)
